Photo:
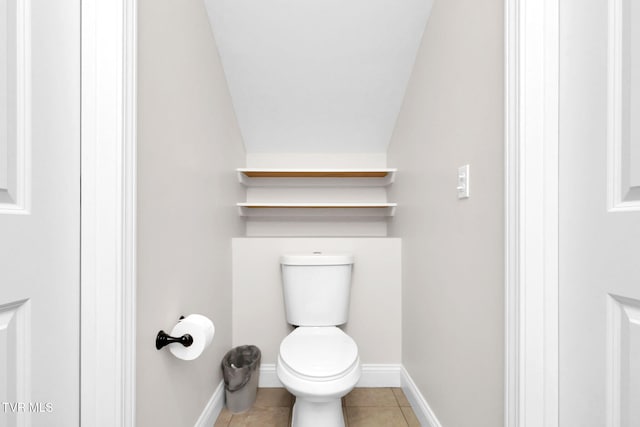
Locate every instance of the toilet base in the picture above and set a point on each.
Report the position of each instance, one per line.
(312, 413)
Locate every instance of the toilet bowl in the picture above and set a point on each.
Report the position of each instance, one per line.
(318, 365)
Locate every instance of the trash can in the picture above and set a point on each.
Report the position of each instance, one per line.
(241, 369)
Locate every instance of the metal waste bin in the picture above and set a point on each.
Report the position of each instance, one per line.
(241, 369)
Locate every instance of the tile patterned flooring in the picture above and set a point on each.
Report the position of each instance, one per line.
(363, 407)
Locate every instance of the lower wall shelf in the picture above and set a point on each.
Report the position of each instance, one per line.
(253, 209)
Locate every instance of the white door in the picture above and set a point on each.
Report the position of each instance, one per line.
(599, 213)
(39, 212)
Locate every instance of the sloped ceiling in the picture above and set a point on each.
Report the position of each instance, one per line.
(317, 76)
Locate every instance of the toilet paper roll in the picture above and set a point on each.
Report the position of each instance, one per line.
(202, 331)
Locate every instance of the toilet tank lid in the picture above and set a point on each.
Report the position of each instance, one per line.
(316, 259)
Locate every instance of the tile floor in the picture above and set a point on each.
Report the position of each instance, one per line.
(363, 407)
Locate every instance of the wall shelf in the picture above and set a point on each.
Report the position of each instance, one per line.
(253, 177)
(254, 209)
(288, 187)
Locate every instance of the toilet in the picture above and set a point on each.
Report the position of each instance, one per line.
(318, 362)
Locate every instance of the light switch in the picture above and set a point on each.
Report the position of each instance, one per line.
(463, 182)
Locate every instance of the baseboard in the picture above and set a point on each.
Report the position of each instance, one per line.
(418, 403)
(268, 376)
(211, 411)
(380, 375)
(373, 375)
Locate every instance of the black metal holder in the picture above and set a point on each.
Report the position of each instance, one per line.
(164, 338)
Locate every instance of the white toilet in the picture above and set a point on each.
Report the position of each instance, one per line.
(318, 363)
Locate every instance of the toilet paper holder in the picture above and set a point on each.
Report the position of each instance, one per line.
(163, 339)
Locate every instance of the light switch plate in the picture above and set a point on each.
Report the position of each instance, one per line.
(463, 182)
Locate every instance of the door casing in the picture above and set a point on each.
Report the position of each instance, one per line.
(531, 216)
(108, 212)
(108, 220)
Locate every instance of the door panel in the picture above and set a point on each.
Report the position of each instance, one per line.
(599, 217)
(14, 104)
(14, 358)
(39, 212)
(623, 138)
(624, 361)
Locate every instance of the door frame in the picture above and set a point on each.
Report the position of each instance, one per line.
(108, 213)
(108, 271)
(531, 213)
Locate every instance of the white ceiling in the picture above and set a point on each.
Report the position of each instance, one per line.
(317, 76)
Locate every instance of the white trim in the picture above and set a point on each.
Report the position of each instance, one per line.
(511, 214)
(419, 404)
(108, 245)
(268, 376)
(213, 408)
(373, 375)
(531, 279)
(380, 375)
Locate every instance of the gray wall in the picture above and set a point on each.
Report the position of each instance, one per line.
(188, 147)
(453, 297)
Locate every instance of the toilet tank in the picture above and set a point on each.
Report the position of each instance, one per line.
(316, 289)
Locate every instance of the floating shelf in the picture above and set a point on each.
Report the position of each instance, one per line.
(317, 209)
(315, 177)
(310, 178)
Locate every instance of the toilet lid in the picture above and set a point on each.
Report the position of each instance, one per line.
(319, 351)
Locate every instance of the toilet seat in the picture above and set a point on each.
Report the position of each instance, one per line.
(319, 353)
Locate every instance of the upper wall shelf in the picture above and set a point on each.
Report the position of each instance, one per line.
(315, 177)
